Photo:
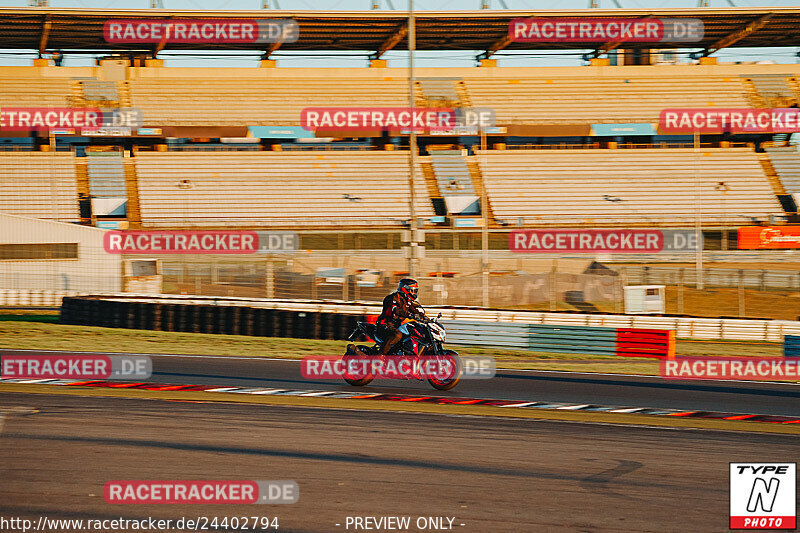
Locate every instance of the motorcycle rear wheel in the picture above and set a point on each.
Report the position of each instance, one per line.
(352, 379)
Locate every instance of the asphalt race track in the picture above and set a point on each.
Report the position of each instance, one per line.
(489, 474)
(616, 390)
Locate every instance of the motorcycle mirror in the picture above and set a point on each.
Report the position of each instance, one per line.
(439, 316)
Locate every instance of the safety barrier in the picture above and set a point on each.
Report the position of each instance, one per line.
(684, 327)
(584, 340)
(791, 346)
(228, 320)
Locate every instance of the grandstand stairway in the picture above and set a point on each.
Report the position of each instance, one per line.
(785, 165)
(102, 94)
(434, 194)
(124, 90)
(91, 92)
(107, 183)
(134, 212)
(794, 86)
(773, 90)
(479, 183)
(440, 92)
(754, 99)
(463, 94)
(82, 184)
(455, 182)
(75, 97)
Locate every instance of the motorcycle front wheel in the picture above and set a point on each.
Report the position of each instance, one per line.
(452, 379)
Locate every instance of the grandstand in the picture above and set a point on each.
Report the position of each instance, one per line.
(627, 187)
(255, 101)
(160, 178)
(39, 185)
(526, 96)
(276, 188)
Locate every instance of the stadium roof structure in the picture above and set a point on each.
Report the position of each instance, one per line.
(376, 32)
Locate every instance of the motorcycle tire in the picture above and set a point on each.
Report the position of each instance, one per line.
(449, 383)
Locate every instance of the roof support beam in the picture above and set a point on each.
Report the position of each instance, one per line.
(605, 48)
(496, 47)
(272, 47)
(739, 34)
(45, 35)
(391, 42)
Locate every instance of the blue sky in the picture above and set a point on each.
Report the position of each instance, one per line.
(397, 58)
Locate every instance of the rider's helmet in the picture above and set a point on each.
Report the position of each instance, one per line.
(408, 288)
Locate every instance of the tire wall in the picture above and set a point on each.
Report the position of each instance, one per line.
(217, 319)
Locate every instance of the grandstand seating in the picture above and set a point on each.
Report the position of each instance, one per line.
(637, 187)
(600, 99)
(255, 101)
(295, 188)
(786, 161)
(532, 99)
(35, 92)
(39, 185)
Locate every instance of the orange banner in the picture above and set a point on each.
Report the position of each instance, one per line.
(770, 237)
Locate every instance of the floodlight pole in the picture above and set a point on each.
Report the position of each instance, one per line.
(485, 225)
(412, 145)
(698, 223)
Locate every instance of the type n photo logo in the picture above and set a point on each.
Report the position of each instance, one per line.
(762, 495)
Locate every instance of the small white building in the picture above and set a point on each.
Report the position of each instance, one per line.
(645, 299)
(55, 256)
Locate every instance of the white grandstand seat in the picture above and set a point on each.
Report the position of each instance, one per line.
(248, 188)
(39, 185)
(641, 187)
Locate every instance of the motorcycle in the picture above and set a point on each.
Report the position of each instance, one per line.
(421, 338)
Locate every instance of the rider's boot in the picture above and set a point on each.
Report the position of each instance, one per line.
(352, 348)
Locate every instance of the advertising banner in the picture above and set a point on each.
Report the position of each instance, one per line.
(770, 237)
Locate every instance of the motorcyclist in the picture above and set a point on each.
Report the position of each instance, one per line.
(398, 306)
